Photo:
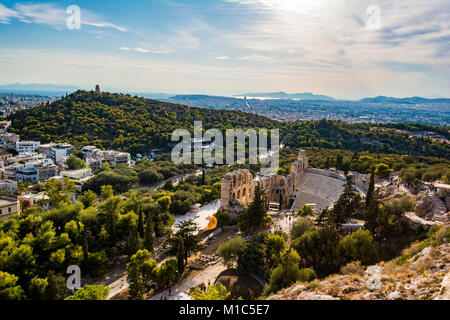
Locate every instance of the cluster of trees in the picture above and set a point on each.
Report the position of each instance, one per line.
(121, 121)
(255, 216)
(137, 125)
(383, 218)
(90, 292)
(144, 272)
(144, 173)
(318, 247)
(75, 163)
(37, 246)
(412, 169)
(213, 292)
(360, 137)
(196, 188)
(267, 255)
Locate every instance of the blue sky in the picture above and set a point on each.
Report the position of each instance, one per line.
(231, 46)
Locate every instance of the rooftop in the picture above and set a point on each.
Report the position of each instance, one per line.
(5, 201)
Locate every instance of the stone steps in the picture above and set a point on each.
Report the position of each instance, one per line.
(439, 210)
(319, 189)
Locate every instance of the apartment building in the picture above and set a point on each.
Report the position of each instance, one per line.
(8, 140)
(5, 157)
(32, 199)
(27, 146)
(8, 207)
(96, 159)
(8, 185)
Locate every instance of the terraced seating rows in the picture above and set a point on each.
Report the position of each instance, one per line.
(319, 189)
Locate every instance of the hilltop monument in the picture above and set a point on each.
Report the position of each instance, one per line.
(97, 89)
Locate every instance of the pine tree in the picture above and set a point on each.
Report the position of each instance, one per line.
(371, 189)
(134, 242)
(327, 163)
(347, 204)
(377, 222)
(253, 217)
(181, 257)
(149, 239)
(339, 161)
(85, 248)
(140, 222)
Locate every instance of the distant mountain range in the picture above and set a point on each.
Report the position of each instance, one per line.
(412, 100)
(293, 96)
(53, 89)
(36, 88)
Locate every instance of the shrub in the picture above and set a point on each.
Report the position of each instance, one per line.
(307, 275)
(306, 211)
(230, 251)
(215, 292)
(353, 267)
(443, 233)
(358, 246)
(301, 226)
(223, 218)
(287, 273)
(90, 292)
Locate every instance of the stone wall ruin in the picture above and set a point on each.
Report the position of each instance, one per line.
(238, 187)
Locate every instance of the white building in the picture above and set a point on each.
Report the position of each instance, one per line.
(8, 185)
(46, 149)
(8, 140)
(60, 151)
(27, 146)
(89, 150)
(97, 158)
(35, 170)
(8, 207)
(80, 177)
(77, 174)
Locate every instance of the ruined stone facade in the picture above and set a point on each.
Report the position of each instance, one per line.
(238, 187)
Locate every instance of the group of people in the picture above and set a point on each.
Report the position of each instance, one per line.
(288, 216)
(163, 294)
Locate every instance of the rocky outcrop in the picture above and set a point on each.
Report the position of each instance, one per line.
(298, 292)
(424, 207)
(430, 207)
(425, 275)
(444, 294)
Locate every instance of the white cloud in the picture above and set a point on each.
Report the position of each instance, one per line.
(257, 58)
(330, 36)
(7, 14)
(223, 58)
(143, 50)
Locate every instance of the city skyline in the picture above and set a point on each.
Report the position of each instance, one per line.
(226, 47)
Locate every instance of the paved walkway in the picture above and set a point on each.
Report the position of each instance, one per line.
(196, 278)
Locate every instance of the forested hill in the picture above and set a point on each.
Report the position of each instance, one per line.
(137, 125)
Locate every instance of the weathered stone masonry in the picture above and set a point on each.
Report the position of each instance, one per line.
(238, 187)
